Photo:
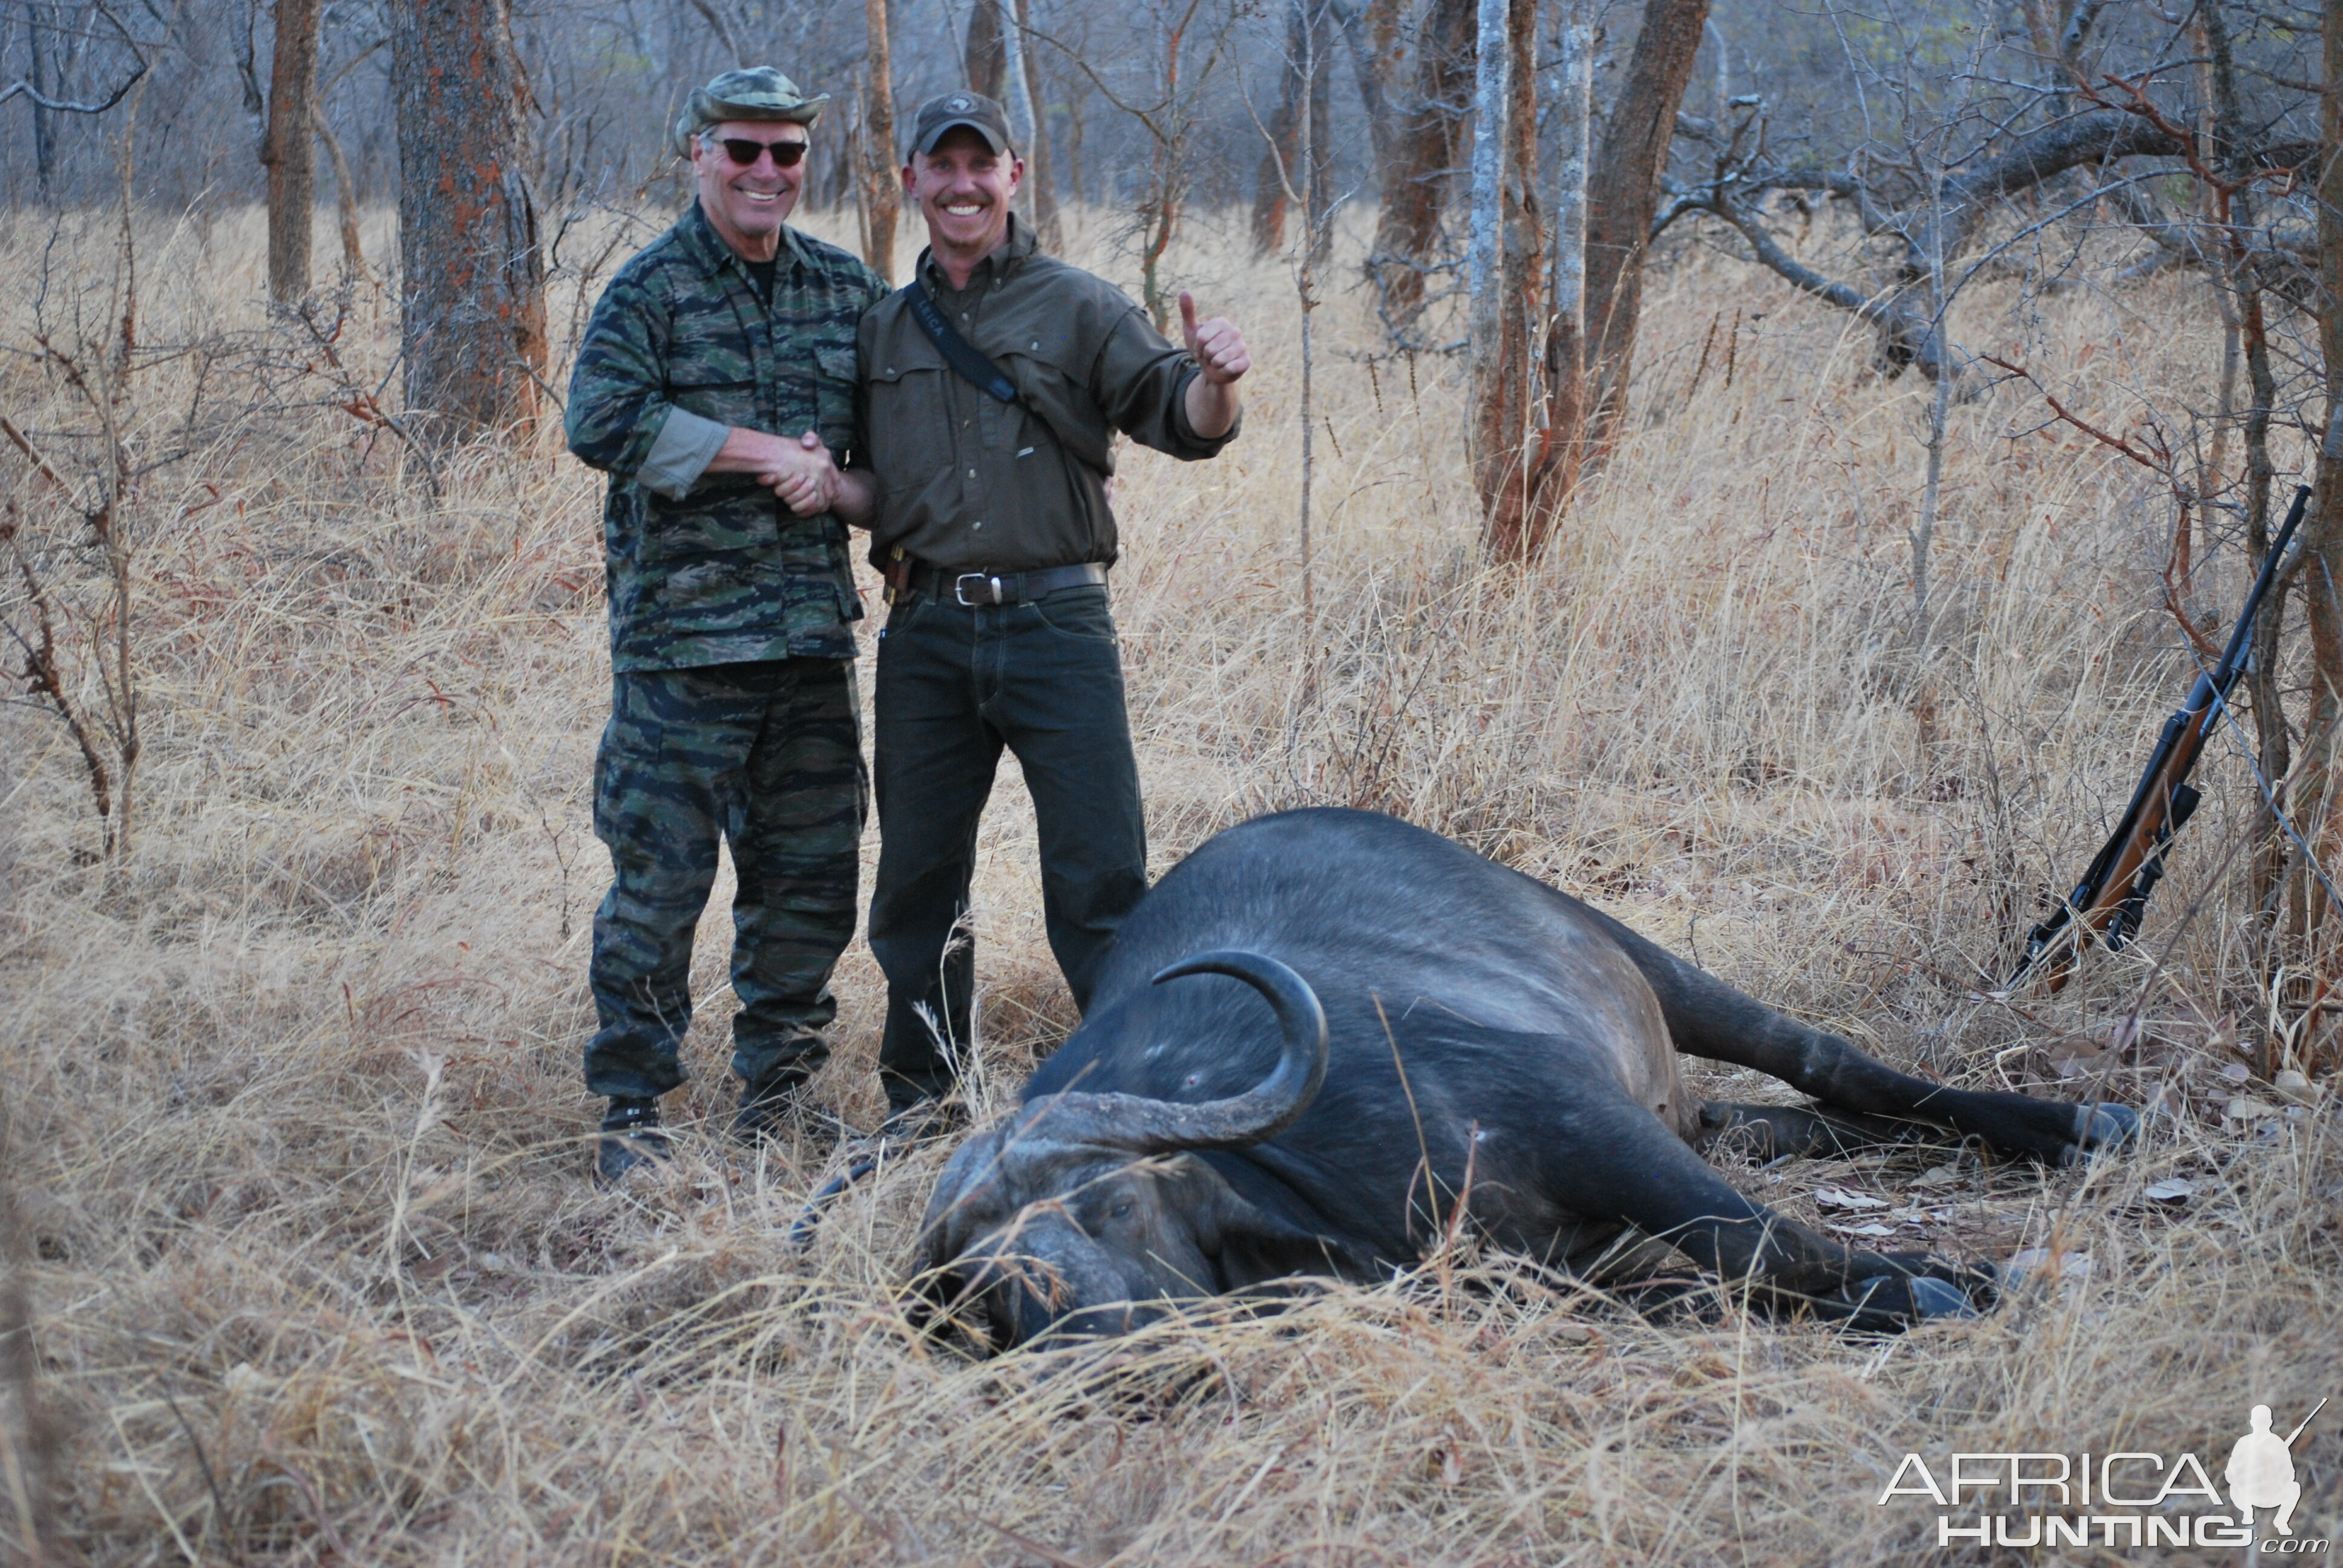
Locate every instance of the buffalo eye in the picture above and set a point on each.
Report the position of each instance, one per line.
(1121, 1211)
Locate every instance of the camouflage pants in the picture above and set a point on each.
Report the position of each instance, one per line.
(768, 757)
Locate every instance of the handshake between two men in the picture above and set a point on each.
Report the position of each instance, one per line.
(801, 472)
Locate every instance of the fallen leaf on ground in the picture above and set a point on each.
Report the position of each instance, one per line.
(2293, 1086)
(2171, 1190)
(1874, 1229)
(1836, 1198)
(1937, 1176)
(2247, 1109)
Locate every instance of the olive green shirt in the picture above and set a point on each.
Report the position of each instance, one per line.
(968, 483)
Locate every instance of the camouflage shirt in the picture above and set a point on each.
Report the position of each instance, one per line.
(711, 568)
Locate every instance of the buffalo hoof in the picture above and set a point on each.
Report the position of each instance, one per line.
(1940, 1298)
(2100, 1126)
(1889, 1304)
(1921, 1289)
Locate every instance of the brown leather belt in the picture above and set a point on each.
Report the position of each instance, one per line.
(907, 577)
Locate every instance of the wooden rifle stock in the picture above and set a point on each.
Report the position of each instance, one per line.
(2111, 899)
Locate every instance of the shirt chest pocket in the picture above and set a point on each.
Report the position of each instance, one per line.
(1054, 406)
(725, 401)
(909, 424)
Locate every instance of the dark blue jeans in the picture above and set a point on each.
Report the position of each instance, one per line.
(957, 684)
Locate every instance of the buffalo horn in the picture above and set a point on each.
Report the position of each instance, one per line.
(1148, 1126)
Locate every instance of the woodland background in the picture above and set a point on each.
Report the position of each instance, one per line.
(1766, 469)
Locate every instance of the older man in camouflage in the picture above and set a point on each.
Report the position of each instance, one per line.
(716, 380)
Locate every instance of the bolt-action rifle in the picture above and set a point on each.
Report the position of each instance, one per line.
(2107, 904)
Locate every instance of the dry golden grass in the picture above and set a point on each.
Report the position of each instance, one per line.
(294, 1122)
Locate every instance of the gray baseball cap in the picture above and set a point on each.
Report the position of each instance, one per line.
(947, 110)
(752, 93)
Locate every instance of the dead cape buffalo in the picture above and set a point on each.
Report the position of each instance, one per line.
(1315, 1006)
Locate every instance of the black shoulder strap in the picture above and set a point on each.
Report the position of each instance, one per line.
(970, 366)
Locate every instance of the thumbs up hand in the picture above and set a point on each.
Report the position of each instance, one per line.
(1219, 347)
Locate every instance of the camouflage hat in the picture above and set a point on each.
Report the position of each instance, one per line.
(948, 111)
(753, 93)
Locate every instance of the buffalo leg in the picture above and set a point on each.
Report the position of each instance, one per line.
(1619, 1162)
(1706, 1017)
(1763, 1132)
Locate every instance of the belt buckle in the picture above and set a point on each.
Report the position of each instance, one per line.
(959, 589)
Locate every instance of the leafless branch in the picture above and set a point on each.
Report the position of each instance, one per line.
(73, 106)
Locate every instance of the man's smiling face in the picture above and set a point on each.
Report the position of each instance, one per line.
(747, 204)
(963, 189)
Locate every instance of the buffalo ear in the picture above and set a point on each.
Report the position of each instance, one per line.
(1247, 1243)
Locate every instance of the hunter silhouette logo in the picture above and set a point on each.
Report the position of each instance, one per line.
(2118, 1500)
(2261, 1471)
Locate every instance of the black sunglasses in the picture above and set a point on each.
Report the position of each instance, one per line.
(744, 152)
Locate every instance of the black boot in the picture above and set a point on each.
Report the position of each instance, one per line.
(630, 1137)
(924, 1121)
(778, 1111)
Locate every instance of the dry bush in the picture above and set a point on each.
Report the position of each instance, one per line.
(297, 1141)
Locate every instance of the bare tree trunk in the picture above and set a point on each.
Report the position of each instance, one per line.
(2322, 550)
(1318, 150)
(1309, 42)
(1407, 231)
(289, 149)
(2232, 348)
(1279, 166)
(2230, 158)
(1503, 263)
(471, 275)
(1040, 176)
(1160, 217)
(1308, 167)
(1620, 196)
(1372, 33)
(984, 56)
(883, 193)
(45, 130)
(1493, 82)
(345, 198)
(1019, 97)
(1563, 443)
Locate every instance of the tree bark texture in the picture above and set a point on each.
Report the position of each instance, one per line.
(883, 192)
(45, 130)
(984, 54)
(1309, 49)
(1425, 154)
(1621, 195)
(289, 148)
(1573, 98)
(1372, 31)
(472, 278)
(2321, 573)
(346, 196)
(2231, 160)
(1041, 179)
(1504, 258)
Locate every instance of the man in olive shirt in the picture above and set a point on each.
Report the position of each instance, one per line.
(990, 518)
